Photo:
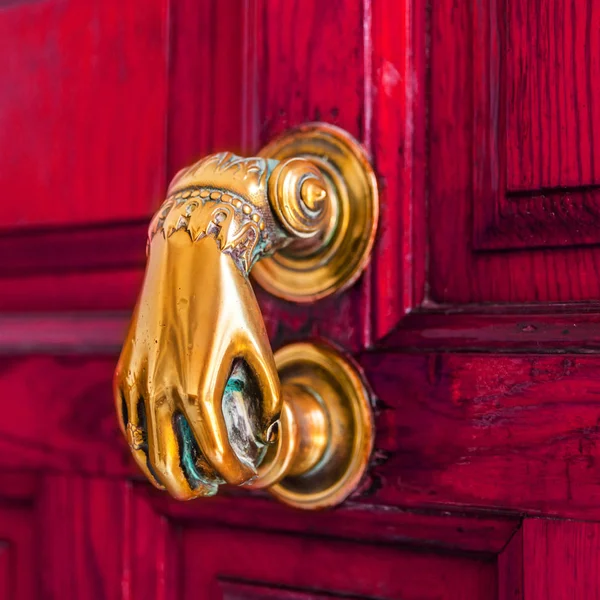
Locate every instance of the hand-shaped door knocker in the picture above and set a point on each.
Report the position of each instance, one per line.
(197, 386)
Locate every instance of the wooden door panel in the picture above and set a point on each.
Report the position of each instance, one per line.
(103, 106)
(61, 416)
(561, 559)
(73, 537)
(481, 120)
(245, 546)
(510, 431)
(58, 540)
(522, 172)
(361, 71)
(551, 93)
(83, 110)
(554, 560)
(251, 94)
(398, 33)
(536, 100)
(69, 537)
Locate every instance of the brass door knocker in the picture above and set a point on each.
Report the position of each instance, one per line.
(201, 398)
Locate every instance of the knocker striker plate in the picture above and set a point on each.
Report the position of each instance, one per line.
(331, 432)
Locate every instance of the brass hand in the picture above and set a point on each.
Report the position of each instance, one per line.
(196, 386)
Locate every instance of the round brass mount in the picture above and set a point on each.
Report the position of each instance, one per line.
(308, 270)
(326, 428)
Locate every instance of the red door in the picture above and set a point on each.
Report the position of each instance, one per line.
(477, 322)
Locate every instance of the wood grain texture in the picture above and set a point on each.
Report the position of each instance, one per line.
(553, 94)
(73, 537)
(535, 112)
(261, 97)
(516, 433)
(481, 119)
(80, 521)
(83, 111)
(206, 92)
(80, 249)
(63, 416)
(398, 65)
(238, 590)
(70, 537)
(561, 560)
(558, 329)
(63, 333)
(79, 239)
(114, 290)
(469, 210)
(294, 76)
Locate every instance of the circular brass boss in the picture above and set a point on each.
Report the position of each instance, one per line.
(326, 431)
(305, 272)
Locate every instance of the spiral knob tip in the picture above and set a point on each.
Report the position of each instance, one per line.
(313, 194)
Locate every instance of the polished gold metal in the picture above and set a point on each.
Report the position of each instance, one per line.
(196, 387)
(326, 431)
(334, 259)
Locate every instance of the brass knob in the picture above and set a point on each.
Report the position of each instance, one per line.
(197, 386)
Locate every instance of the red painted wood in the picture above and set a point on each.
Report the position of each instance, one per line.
(83, 111)
(70, 537)
(18, 533)
(153, 545)
(80, 521)
(76, 521)
(5, 575)
(76, 291)
(205, 79)
(515, 432)
(561, 559)
(476, 323)
(469, 206)
(510, 569)
(148, 126)
(569, 328)
(73, 249)
(494, 431)
(287, 87)
(520, 329)
(61, 416)
(237, 590)
(397, 31)
(553, 94)
(340, 568)
(534, 103)
(481, 534)
(17, 551)
(62, 333)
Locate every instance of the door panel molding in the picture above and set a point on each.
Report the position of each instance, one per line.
(535, 183)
